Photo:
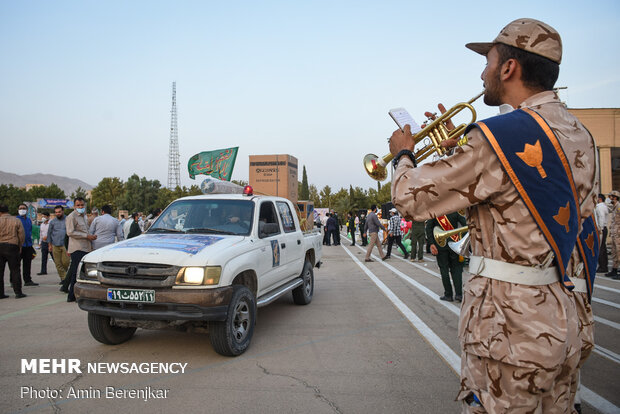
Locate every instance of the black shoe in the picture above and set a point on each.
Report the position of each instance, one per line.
(446, 298)
(368, 260)
(613, 273)
(64, 289)
(70, 300)
(406, 256)
(41, 273)
(458, 298)
(61, 282)
(31, 283)
(352, 244)
(616, 277)
(578, 408)
(20, 295)
(4, 296)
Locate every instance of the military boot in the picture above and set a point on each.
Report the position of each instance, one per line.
(614, 272)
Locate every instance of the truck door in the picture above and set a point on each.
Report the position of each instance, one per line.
(293, 250)
(270, 265)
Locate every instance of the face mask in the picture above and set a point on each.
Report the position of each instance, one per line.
(22, 212)
(80, 210)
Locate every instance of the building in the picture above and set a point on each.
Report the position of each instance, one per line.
(29, 186)
(604, 124)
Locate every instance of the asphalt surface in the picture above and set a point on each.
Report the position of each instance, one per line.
(375, 339)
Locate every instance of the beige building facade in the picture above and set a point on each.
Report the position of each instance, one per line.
(604, 124)
(274, 175)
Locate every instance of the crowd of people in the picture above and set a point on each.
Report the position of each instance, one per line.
(66, 238)
(372, 232)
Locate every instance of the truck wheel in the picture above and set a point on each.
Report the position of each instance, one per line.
(232, 336)
(302, 295)
(102, 330)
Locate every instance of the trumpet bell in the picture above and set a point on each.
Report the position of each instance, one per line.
(374, 167)
(461, 247)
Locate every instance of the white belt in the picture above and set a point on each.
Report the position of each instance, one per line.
(513, 273)
(580, 285)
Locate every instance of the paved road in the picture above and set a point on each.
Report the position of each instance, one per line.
(375, 339)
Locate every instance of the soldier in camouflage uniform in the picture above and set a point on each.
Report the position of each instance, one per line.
(417, 235)
(521, 342)
(614, 232)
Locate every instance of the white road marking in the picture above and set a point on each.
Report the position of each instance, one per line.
(451, 358)
(607, 353)
(606, 322)
(448, 355)
(602, 287)
(606, 302)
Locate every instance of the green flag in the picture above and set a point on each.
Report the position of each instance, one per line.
(218, 164)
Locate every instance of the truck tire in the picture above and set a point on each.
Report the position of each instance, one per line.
(103, 331)
(232, 336)
(302, 295)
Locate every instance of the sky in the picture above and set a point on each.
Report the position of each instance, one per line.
(86, 86)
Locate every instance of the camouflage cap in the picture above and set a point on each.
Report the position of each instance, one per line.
(615, 194)
(530, 35)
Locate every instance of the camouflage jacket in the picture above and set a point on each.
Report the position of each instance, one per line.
(519, 324)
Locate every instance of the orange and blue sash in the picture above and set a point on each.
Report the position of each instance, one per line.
(588, 247)
(531, 155)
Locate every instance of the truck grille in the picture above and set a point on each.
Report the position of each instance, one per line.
(137, 274)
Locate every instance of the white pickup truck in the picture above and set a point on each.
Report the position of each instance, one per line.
(207, 262)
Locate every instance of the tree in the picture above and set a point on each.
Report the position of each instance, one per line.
(110, 190)
(79, 192)
(141, 194)
(50, 191)
(304, 192)
(13, 196)
(384, 195)
(314, 195)
(340, 202)
(326, 195)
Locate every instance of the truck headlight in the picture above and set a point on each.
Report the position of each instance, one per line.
(88, 271)
(209, 275)
(194, 275)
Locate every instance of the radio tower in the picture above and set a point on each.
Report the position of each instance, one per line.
(174, 174)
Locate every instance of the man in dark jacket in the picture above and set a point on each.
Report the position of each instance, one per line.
(28, 252)
(351, 226)
(362, 231)
(134, 230)
(332, 230)
(448, 261)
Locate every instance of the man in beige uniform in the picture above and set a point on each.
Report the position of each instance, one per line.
(614, 232)
(521, 342)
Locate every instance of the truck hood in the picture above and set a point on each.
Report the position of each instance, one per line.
(173, 249)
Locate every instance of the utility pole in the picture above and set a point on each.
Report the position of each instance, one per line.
(174, 174)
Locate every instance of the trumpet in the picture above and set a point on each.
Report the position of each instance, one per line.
(441, 236)
(436, 131)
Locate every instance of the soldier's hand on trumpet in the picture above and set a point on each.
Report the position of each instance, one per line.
(431, 116)
(401, 140)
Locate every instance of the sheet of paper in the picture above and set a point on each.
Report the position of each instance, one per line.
(402, 118)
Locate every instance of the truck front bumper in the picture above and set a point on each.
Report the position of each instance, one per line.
(170, 305)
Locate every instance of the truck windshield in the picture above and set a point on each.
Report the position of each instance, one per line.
(206, 216)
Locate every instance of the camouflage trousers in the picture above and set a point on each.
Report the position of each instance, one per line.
(503, 388)
(615, 249)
